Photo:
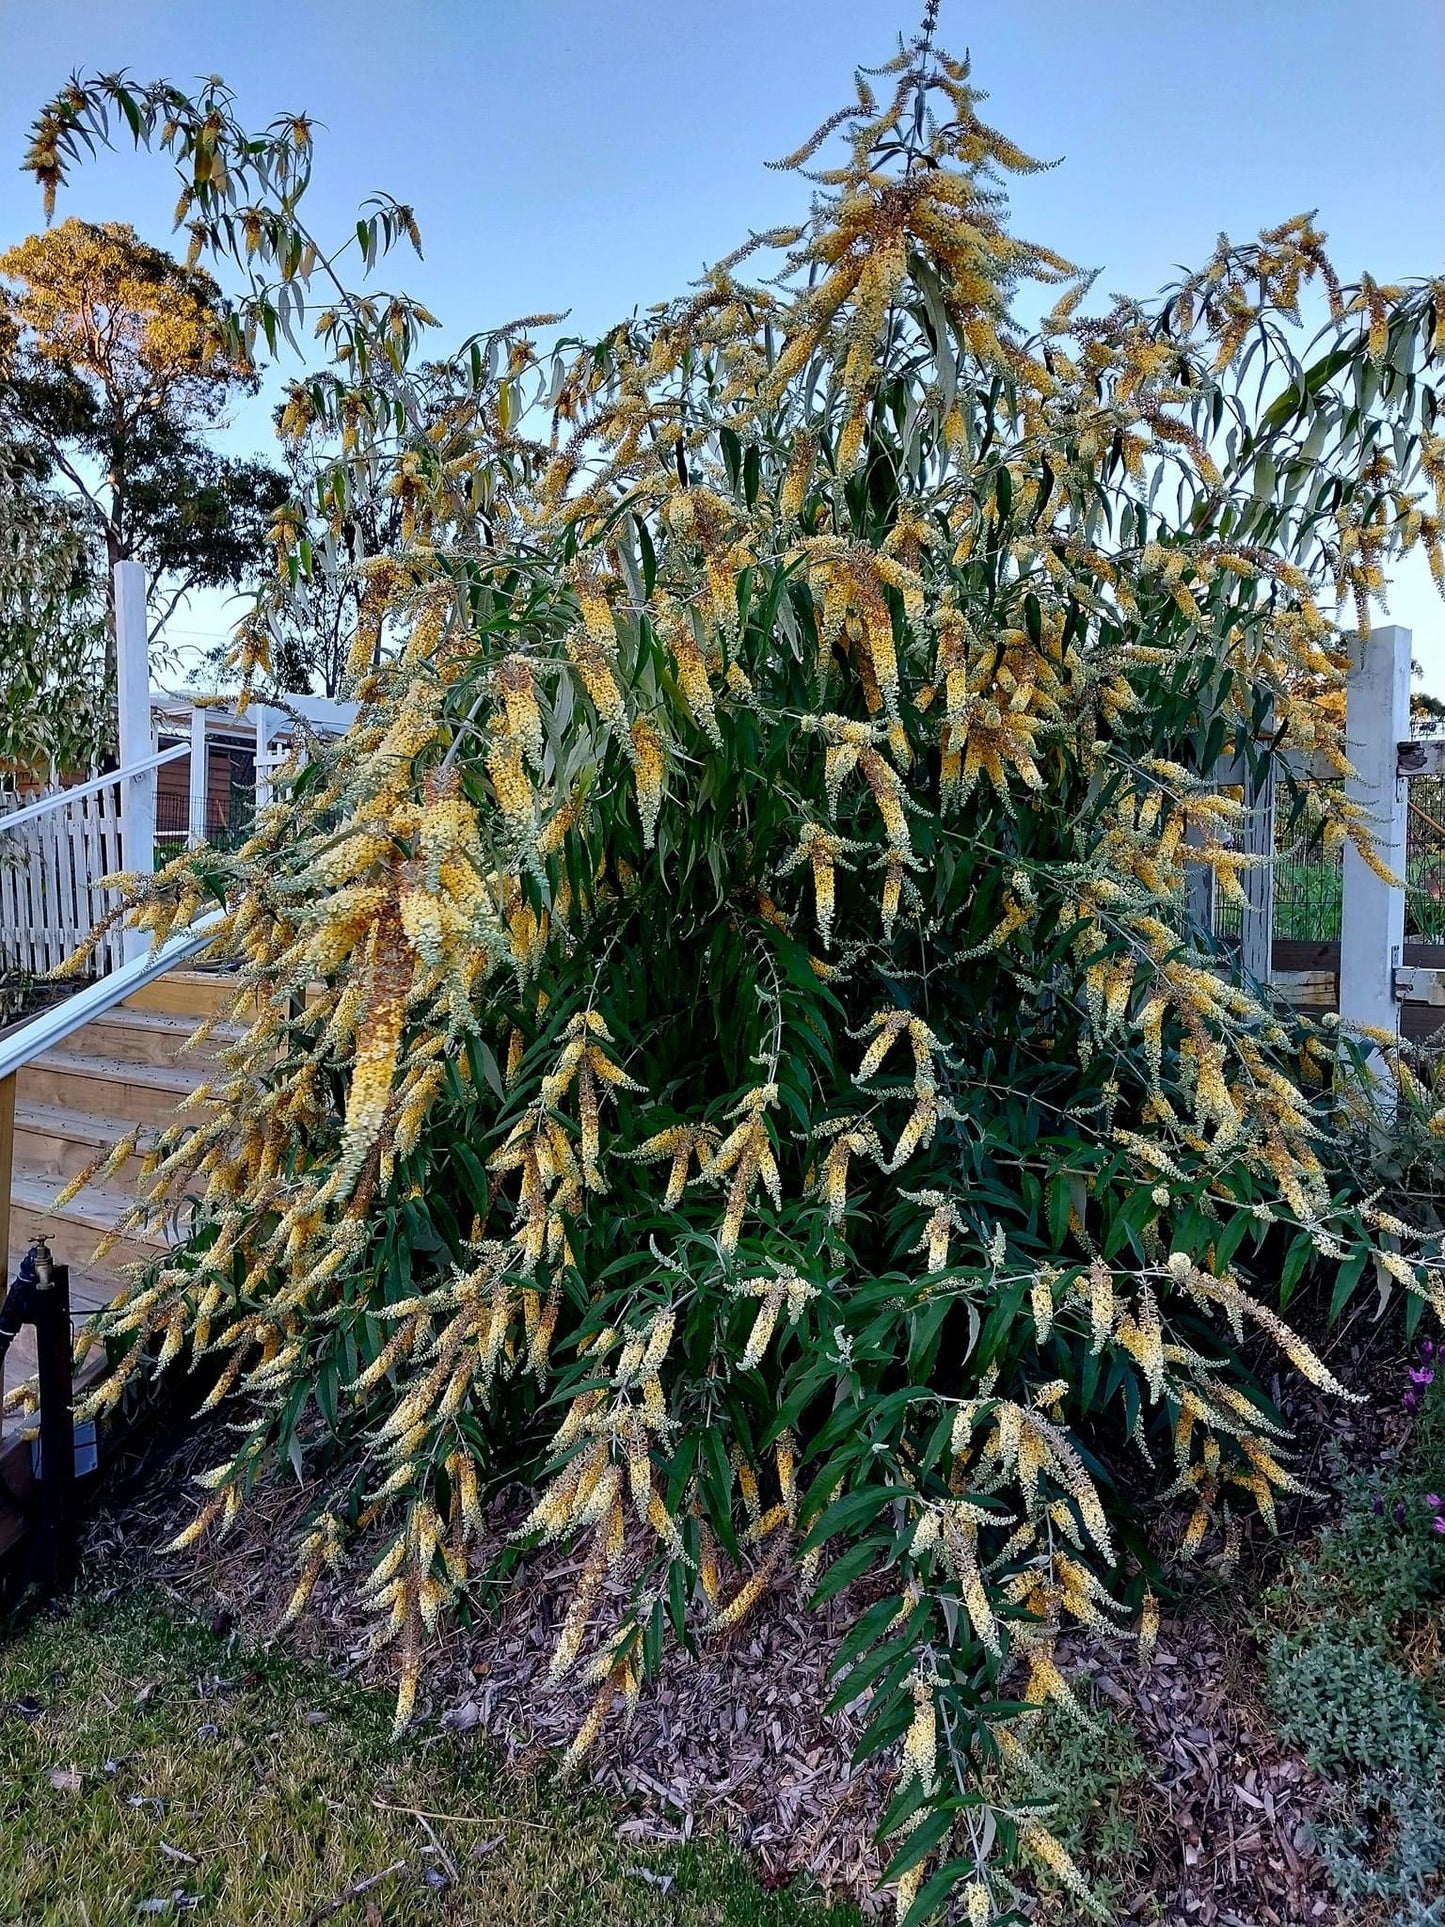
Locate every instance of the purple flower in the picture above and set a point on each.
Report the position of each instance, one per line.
(1421, 1375)
(1439, 1524)
(1434, 1501)
(1410, 1401)
(1399, 1512)
(1379, 1505)
(1427, 1348)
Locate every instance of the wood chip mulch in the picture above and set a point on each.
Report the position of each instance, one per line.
(1223, 1819)
(736, 1738)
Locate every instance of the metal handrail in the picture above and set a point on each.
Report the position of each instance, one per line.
(48, 1028)
(51, 1027)
(60, 798)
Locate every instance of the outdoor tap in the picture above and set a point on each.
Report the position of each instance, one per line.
(19, 1306)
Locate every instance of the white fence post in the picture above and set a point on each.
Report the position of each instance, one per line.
(133, 706)
(1372, 912)
(265, 725)
(200, 777)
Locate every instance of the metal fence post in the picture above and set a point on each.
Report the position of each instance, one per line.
(1372, 911)
(55, 1551)
(133, 718)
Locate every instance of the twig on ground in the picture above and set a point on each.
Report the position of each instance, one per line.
(460, 1819)
(438, 1849)
(353, 1892)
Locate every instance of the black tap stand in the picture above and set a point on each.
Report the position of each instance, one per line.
(56, 1548)
(40, 1296)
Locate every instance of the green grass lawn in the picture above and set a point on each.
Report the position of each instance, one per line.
(150, 1769)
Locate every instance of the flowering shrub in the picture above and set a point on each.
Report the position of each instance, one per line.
(730, 1044)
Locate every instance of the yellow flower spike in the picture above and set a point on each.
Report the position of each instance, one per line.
(675, 627)
(616, 1536)
(909, 1885)
(762, 1329)
(707, 1568)
(198, 1526)
(595, 673)
(587, 1733)
(747, 1595)
(785, 1459)
(920, 1745)
(795, 481)
(649, 764)
(1038, 1841)
(1042, 1303)
(745, 1155)
(887, 1026)
(659, 1338)
(518, 689)
(976, 1601)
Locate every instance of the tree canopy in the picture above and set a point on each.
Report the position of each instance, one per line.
(53, 710)
(115, 362)
(760, 1083)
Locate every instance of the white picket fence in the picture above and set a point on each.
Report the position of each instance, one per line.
(50, 871)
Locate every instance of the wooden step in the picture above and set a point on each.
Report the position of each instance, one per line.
(55, 1141)
(186, 993)
(132, 1036)
(74, 1230)
(104, 1086)
(99, 1208)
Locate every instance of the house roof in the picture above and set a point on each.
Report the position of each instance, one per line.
(324, 715)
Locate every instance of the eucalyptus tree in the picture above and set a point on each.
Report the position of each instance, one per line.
(53, 710)
(115, 366)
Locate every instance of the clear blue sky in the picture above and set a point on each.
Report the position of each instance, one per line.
(595, 154)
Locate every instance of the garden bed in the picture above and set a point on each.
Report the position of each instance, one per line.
(1183, 1800)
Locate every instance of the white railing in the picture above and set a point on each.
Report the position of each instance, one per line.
(53, 854)
(54, 850)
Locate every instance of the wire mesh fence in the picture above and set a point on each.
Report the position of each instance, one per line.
(1308, 874)
(1425, 859)
(230, 805)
